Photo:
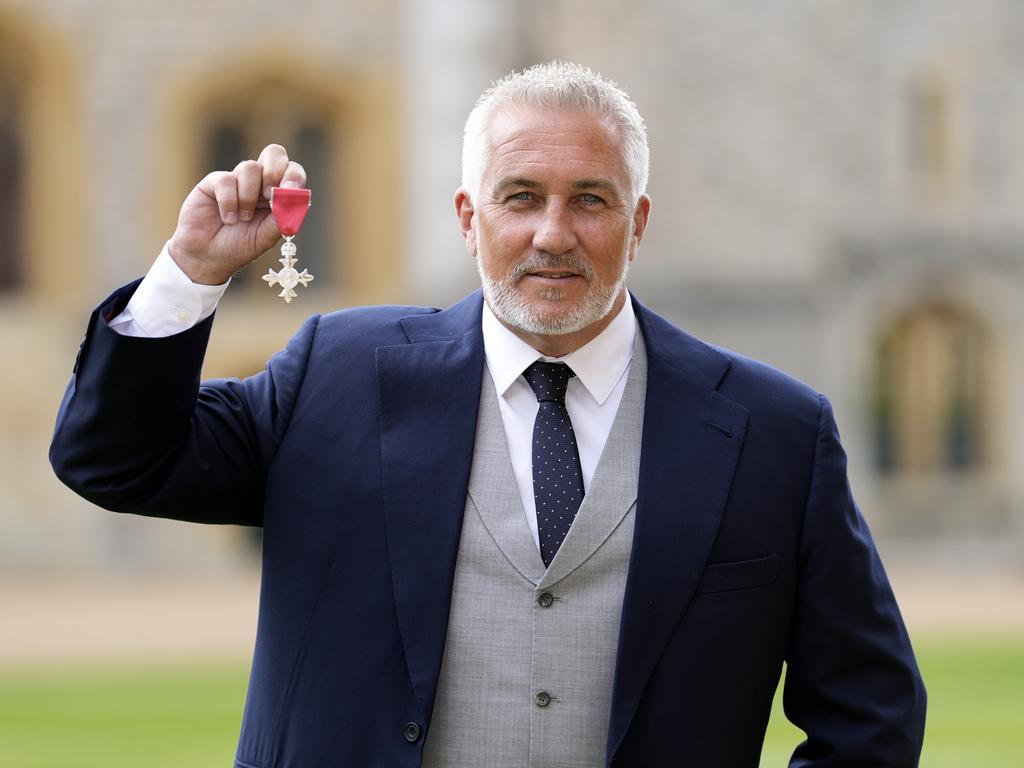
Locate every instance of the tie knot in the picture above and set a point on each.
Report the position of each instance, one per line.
(549, 380)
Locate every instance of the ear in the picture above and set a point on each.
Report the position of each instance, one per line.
(640, 218)
(464, 211)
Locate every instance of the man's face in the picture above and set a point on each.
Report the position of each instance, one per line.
(553, 229)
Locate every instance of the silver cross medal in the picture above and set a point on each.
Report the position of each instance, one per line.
(288, 277)
(288, 207)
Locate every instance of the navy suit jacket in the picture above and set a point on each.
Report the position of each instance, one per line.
(353, 449)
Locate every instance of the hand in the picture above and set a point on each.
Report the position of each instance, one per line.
(225, 221)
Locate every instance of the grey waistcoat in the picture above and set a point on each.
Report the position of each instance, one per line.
(529, 658)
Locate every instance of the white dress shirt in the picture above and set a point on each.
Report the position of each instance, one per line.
(168, 302)
(592, 397)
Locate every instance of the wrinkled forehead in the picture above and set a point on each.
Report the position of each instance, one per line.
(526, 137)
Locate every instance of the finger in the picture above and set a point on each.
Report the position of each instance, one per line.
(225, 191)
(274, 161)
(249, 176)
(294, 175)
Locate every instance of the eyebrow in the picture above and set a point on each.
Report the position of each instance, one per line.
(518, 181)
(595, 184)
(525, 183)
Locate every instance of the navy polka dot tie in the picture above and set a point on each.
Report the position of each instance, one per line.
(557, 478)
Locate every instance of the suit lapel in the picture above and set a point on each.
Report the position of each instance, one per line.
(429, 393)
(691, 441)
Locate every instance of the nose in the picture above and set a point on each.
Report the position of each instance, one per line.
(554, 233)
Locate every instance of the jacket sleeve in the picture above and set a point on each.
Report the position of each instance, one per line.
(137, 432)
(852, 683)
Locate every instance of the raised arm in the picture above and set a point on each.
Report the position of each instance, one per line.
(136, 432)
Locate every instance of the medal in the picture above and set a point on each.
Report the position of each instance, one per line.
(288, 207)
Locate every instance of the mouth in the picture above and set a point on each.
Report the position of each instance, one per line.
(549, 272)
(554, 283)
(552, 275)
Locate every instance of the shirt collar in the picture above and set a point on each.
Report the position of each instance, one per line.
(598, 364)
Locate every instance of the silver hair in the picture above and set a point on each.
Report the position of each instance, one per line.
(557, 85)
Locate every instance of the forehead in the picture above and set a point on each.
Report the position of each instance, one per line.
(553, 144)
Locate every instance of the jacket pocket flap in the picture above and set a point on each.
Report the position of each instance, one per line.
(742, 574)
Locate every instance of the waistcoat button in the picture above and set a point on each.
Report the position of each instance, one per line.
(412, 732)
(543, 698)
(545, 599)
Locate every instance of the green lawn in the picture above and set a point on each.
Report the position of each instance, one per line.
(975, 705)
(189, 714)
(113, 716)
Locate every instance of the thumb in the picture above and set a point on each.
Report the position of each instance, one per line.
(267, 232)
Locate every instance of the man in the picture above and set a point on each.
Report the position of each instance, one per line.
(543, 527)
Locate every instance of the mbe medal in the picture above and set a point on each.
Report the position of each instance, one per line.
(289, 207)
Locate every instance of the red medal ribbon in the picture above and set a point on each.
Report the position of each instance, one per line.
(289, 207)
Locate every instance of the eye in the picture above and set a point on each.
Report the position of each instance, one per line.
(590, 199)
(520, 197)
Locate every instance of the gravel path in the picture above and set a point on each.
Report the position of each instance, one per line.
(146, 618)
(131, 619)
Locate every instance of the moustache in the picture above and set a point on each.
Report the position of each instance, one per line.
(545, 261)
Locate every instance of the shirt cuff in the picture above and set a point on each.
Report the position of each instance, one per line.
(167, 302)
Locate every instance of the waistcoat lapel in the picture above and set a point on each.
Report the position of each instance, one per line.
(495, 494)
(614, 486)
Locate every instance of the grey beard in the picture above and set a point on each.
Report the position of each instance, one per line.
(512, 308)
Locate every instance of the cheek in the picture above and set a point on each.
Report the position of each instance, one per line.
(503, 244)
(491, 258)
(509, 227)
(611, 249)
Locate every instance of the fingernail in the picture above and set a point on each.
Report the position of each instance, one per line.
(246, 215)
(230, 218)
(266, 192)
(290, 184)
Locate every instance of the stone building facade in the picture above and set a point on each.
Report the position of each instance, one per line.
(838, 189)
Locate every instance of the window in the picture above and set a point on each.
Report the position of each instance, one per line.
(929, 396)
(12, 193)
(934, 142)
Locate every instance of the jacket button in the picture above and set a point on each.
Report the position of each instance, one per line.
(545, 599)
(412, 732)
(542, 699)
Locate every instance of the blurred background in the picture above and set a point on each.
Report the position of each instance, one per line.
(838, 189)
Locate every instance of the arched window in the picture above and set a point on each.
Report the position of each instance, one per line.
(12, 192)
(279, 112)
(932, 370)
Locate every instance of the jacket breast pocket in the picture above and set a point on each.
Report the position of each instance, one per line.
(741, 574)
